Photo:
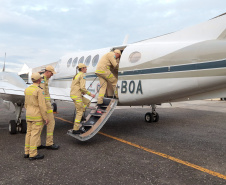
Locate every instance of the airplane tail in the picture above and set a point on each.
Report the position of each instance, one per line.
(125, 41)
(214, 28)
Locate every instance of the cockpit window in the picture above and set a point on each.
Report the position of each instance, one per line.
(87, 61)
(74, 63)
(69, 62)
(95, 60)
(134, 57)
(81, 60)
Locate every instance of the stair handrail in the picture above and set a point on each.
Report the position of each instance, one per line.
(98, 90)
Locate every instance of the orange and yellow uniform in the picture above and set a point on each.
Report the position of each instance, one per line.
(35, 114)
(105, 75)
(77, 90)
(51, 125)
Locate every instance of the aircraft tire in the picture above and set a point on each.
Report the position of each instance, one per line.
(54, 105)
(23, 126)
(12, 127)
(156, 117)
(149, 117)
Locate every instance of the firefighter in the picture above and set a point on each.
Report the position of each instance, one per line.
(105, 75)
(78, 89)
(36, 116)
(49, 71)
(110, 91)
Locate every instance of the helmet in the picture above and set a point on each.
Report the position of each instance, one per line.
(35, 76)
(117, 51)
(50, 68)
(81, 65)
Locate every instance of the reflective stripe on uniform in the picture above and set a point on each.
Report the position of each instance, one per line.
(110, 76)
(30, 90)
(29, 93)
(76, 77)
(84, 106)
(50, 134)
(33, 147)
(72, 96)
(101, 94)
(39, 123)
(77, 121)
(27, 146)
(47, 98)
(34, 118)
(79, 100)
(34, 86)
(108, 67)
(49, 111)
(88, 93)
(99, 71)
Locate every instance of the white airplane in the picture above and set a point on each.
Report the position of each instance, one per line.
(186, 65)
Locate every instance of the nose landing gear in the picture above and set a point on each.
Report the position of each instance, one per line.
(152, 116)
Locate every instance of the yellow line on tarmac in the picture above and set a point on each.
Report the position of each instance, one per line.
(168, 157)
(63, 119)
(161, 154)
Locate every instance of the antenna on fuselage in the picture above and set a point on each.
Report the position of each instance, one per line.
(3, 70)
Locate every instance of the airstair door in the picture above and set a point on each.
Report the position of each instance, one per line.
(95, 121)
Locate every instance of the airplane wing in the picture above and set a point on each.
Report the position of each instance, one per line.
(11, 93)
(58, 93)
(12, 87)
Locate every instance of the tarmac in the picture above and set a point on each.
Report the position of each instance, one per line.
(186, 146)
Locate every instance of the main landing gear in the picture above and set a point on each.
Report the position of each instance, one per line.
(152, 116)
(18, 125)
(54, 105)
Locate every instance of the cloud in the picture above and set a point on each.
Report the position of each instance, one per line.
(167, 1)
(34, 8)
(40, 32)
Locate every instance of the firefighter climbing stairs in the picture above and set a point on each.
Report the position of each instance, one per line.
(96, 120)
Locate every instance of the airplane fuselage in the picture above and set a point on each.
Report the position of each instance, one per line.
(157, 78)
(186, 65)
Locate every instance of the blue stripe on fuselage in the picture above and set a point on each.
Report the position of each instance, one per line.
(170, 69)
(178, 68)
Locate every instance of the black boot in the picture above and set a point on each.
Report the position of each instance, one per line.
(53, 147)
(41, 147)
(26, 155)
(36, 157)
(80, 131)
(99, 106)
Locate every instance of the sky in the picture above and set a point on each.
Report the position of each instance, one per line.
(41, 32)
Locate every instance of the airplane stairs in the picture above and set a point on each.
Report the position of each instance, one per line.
(95, 121)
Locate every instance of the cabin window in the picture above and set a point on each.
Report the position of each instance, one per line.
(69, 62)
(87, 61)
(81, 60)
(95, 60)
(74, 63)
(134, 57)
